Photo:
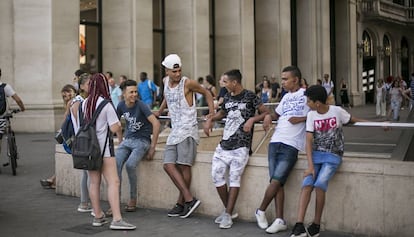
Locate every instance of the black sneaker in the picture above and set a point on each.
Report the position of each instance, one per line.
(176, 210)
(189, 207)
(313, 230)
(299, 230)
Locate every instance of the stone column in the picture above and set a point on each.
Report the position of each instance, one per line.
(273, 34)
(40, 53)
(187, 34)
(348, 59)
(235, 39)
(127, 37)
(313, 35)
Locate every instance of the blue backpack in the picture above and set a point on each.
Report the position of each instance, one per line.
(68, 134)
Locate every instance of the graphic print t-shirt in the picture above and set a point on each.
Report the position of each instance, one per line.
(238, 109)
(293, 104)
(327, 129)
(137, 124)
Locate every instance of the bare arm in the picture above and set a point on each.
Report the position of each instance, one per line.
(295, 120)
(309, 142)
(263, 111)
(155, 132)
(19, 102)
(208, 125)
(193, 87)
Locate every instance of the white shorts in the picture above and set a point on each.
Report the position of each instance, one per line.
(236, 160)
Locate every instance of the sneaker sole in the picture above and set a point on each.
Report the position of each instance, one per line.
(122, 228)
(278, 230)
(225, 227)
(173, 215)
(192, 209)
(99, 224)
(84, 210)
(234, 216)
(316, 235)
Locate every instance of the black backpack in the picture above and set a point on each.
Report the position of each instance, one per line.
(3, 102)
(86, 152)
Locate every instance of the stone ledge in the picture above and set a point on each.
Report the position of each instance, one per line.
(366, 196)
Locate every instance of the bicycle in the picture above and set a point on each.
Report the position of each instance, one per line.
(11, 141)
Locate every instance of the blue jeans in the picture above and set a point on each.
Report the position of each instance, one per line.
(130, 152)
(282, 158)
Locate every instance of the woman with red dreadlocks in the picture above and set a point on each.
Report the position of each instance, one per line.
(107, 119)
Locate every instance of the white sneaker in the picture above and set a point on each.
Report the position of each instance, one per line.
(226, 222)
(261, 219)
(121, 225)
(220, 218)
(277, 225)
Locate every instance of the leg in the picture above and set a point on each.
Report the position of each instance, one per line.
(94, 191)
(232, 198)
(177, 177)
(326, 172)
(282, 158)
(223, 194)
(270, 194)
(121, 155)
(185, 171)
(139, 151)
(279, 203)
(320, 202)
(304, 199)
(84, 196)
(110, 174)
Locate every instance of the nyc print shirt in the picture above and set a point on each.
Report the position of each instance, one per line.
(239, 109)
(327, 129)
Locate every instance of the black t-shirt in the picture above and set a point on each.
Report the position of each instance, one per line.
(275, 86)
(238, 110)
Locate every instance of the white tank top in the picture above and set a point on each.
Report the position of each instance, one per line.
(183, 117)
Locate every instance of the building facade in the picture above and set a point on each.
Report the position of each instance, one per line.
(43, 42)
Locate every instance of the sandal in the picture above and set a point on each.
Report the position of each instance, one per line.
(46, 183)
(130, 208)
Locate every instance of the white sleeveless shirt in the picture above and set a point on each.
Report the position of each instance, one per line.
(183, 117)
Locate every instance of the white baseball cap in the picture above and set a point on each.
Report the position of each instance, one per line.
(172, 61)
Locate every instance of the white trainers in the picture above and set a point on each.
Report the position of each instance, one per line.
(226, 222)
(261, 219)
(219, 218)
(121, 225)
(276, 226)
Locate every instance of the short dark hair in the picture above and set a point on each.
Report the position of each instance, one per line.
(234, 74)
(294, 70)
(109, 73)
(316, 93)
(79, 72)
(127, 83)
(210, 79)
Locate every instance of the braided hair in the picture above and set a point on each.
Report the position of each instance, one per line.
(98, 87)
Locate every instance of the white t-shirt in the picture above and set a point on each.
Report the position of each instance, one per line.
(327, 129)
(106, 118)
(291, 105)
(328, 86)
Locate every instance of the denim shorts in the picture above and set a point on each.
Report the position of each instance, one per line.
(323, 170)
(282, 158)
(183, 153)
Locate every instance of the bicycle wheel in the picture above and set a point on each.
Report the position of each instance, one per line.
(11, 143)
